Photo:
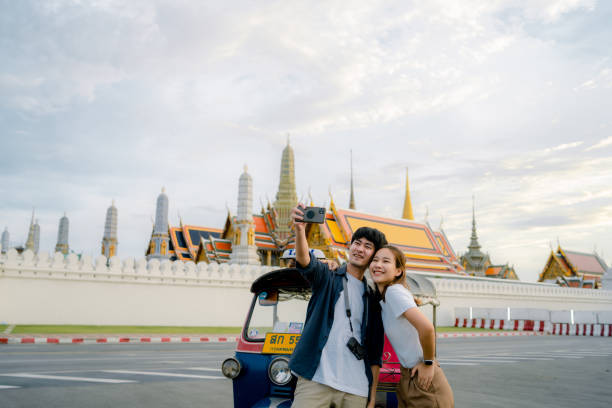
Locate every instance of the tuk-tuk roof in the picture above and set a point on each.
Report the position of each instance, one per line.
(291, 279)
(420, 285)
(287, 279)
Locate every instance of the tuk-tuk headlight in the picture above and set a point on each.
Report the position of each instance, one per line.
(231, 368)
(279, 371)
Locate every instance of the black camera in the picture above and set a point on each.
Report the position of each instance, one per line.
(357, 349)
(314, 215)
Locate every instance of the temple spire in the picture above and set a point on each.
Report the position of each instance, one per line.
(352, 200)
(160, 240)
(244, 250)
(474, 238)
(31, 240)
(109, 239)
(62, 235)
(407, 214)
(286, 198)
(5, 240)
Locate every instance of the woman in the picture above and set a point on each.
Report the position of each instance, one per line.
(422, 383)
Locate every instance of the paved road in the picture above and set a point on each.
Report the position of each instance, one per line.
(484, 372)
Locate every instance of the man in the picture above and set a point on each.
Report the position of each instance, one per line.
(330, 373)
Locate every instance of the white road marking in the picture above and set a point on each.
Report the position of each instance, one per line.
(574, 355)
(66, 378)
(6, 387)
(162, 374)
(472, 360)
(520, 358)
(218, 370)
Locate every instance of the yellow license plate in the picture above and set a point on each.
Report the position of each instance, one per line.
(280, 343)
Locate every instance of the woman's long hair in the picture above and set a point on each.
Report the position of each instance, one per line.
(400, 263)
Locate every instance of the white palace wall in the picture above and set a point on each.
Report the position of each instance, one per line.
(56, 290)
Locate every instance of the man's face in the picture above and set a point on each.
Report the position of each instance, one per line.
(361, 252)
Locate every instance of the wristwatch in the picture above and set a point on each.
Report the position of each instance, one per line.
(428, 362)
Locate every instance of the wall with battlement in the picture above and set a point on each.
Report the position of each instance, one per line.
(39, 289)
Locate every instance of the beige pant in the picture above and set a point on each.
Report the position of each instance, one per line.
(439, 394)
(311, 394)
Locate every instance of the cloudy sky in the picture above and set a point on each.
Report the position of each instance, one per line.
(506, 100)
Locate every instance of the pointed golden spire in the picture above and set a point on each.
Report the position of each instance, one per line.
(352, 200)
(407, 214)
(331, 200)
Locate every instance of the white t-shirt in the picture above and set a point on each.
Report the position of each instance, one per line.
(401, 333)
(338, 367)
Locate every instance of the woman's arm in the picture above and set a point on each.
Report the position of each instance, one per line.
(375, 374)
(427, 337)
(425, 329)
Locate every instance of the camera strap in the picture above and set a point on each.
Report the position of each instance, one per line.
(347, 305)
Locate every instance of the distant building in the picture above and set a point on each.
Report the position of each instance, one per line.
(606, 280)
(286, 197)
(159, 245)
(5, 240)
(109, 240)
(244, 250)
(33, 240)
(574, 269)
(477, 263)
(426, 250)
(269, 233)
(62, 236)
(206, 244)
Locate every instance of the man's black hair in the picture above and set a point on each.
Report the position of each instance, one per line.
(371, 234)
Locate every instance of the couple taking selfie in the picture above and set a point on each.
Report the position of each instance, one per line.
(339, 355)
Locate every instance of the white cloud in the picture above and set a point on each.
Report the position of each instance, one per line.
(601, 144)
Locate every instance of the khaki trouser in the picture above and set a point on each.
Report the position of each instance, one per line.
(439, 394)
(311, 394)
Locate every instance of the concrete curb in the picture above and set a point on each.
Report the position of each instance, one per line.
(115, 340)
(206, 339)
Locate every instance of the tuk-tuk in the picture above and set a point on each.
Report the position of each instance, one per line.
(260, 367)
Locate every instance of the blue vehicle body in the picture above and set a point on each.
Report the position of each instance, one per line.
(253, 388)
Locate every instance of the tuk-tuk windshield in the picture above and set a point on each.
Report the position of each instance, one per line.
(286, 315)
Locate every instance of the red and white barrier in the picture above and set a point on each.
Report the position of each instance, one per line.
(501, 324)
(487, 334)
(582, 329)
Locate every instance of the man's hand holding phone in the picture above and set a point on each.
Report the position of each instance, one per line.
(297, 216)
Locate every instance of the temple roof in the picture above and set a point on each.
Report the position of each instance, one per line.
(575, 269)
(185, 240)
(424, 249)
(500, 271)
(586, 263)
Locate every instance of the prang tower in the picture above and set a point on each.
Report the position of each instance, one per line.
(62, 236)
(33, 241)
(160, 238)
(5, 240)
(244, 250)
(109, 240)
(286, 198)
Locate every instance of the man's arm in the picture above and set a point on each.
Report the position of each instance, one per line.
(375, 333)
(302, 256)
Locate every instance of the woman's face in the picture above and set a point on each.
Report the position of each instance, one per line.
(382, 267)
